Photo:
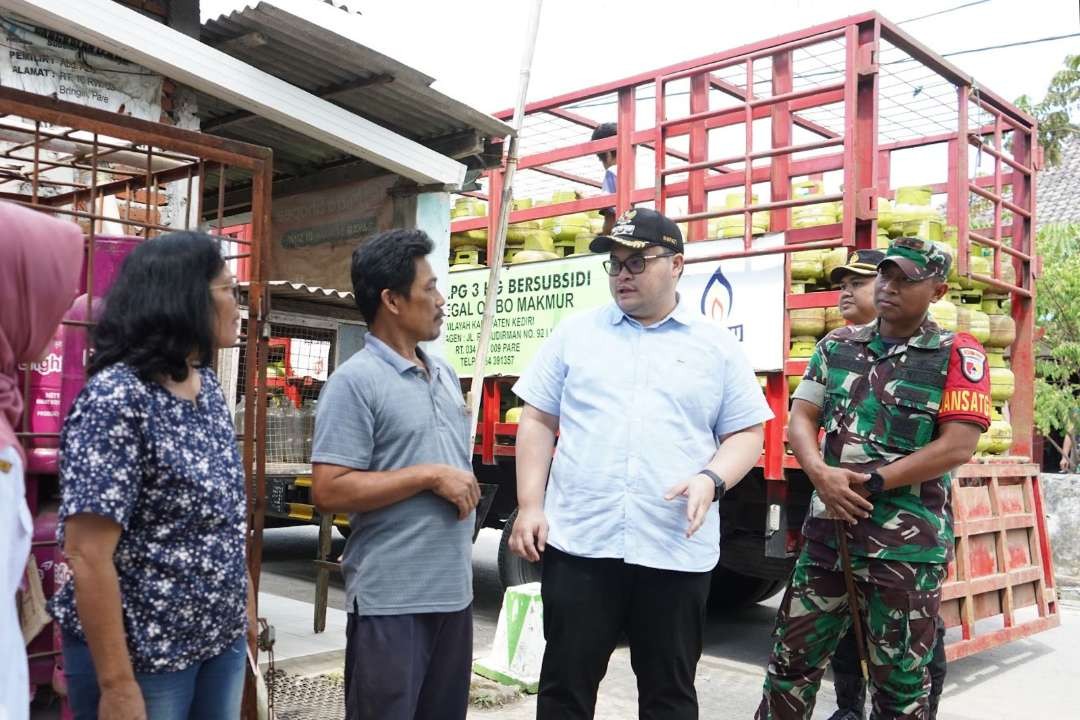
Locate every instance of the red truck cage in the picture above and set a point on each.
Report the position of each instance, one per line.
(850, 103)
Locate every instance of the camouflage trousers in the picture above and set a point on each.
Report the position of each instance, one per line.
(898, 602)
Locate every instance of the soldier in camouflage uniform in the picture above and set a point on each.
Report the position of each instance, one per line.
(902, 403)
(856, 304)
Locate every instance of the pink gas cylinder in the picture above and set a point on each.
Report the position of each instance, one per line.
(41, 651)
(43, 405)
(109, 254)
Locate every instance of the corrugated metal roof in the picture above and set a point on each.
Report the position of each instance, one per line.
(333, 66)
(309, 293)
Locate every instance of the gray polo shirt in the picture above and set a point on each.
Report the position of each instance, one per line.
(378, 411)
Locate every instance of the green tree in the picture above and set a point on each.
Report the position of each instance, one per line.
(1057, 363)
(1057, 110)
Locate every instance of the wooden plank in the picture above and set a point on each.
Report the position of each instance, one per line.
(988, 469)
(1036, 549)
(988, 525)
(985, 641)
(322, 571)
(139, 39)
(1001, 545)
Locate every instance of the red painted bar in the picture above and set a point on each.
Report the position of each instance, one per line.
(765, 251)
(782, 119)
(995, 197)
(699, 150)
(975, 140)
(801, 40)
(772, 44)
(795, 202)
(964, 648)
(821, 299)
(568, 176)
(567, 153)
(736, 92)
(988, 242)
(815, 94)
(625, 161)
(960, 190)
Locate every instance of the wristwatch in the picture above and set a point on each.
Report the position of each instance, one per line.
(876, 483)
(721, 487)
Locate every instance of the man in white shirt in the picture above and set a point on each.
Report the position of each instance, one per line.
(658, 413)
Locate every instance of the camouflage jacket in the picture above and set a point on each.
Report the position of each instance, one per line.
(880, 403)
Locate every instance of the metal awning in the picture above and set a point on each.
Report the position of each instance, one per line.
(316, 47)
(300, 117)
(284, 290)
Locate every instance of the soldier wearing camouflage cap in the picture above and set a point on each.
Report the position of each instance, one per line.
(855, 280)
(902, 403)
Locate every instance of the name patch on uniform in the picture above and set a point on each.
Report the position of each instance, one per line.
(965, 401)
(973, 365)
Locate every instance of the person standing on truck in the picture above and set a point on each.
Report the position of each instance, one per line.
(607, 159)
(856, 305)
(392, 449)
(658, 414)
(902, 403)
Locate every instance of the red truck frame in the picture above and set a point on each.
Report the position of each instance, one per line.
(861, 93)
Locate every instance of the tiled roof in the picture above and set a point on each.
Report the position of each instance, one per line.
(1058, 188)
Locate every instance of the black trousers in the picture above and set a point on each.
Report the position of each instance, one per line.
(408, 667)
(589, 604)
(845, 661)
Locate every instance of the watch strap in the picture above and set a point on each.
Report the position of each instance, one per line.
(721, 486)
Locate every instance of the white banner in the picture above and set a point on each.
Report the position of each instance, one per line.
(745, 295)
(45, 62)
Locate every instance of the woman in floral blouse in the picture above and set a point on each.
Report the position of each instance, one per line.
(153, 515)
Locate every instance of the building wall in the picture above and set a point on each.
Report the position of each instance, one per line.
(433, 217)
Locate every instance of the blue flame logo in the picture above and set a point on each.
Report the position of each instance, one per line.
(718, 298)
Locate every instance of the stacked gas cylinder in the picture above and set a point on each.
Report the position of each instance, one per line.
(810, 270)
(970, 306)
(526, 241)
(732, 226)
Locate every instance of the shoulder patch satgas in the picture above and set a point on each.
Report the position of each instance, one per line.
(972, 363)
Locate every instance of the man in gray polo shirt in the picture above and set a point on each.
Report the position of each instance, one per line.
(392, 449)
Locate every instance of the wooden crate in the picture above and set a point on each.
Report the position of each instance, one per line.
(1003, 563)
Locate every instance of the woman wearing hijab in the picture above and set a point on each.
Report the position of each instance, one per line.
(153, 517)
(39, 271)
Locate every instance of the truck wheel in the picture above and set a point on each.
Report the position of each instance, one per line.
(731, 590)
(769, 591)
(512, 569)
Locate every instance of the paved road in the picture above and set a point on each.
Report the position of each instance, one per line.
(1029, 679)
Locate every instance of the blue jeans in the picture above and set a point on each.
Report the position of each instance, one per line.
(210, 690)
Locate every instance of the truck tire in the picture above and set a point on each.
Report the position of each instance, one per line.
(731, 590)
(767, 592)
(512, 569)
(744, 554)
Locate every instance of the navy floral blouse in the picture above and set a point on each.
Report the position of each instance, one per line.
(168, 472)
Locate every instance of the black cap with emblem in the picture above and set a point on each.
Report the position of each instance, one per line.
(638, 229)
(861, 262)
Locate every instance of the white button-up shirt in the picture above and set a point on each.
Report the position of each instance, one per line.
(640, 409)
